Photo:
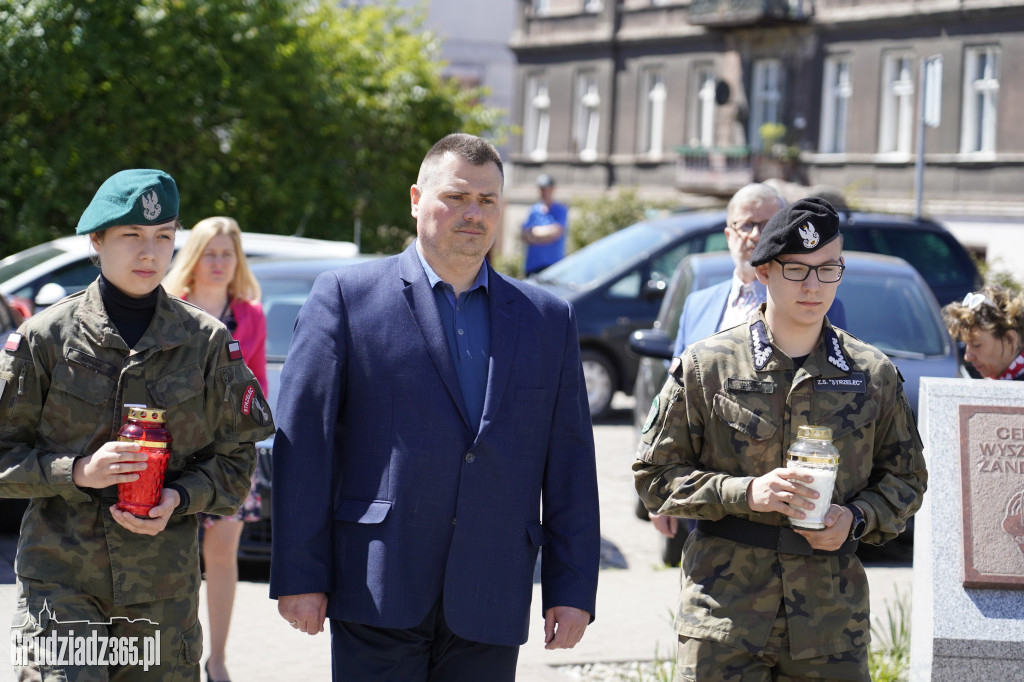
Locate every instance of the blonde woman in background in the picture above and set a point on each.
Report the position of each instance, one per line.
(211, 272)
(990, 322)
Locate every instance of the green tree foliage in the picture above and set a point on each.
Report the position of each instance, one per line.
(291, 116)
(592, 219)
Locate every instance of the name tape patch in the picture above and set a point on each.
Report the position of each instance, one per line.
(854, 383)
(750, 385)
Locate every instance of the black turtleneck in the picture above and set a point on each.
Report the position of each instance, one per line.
(129, 314)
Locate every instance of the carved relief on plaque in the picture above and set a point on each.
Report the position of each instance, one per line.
(992, 481)
(1013, 523)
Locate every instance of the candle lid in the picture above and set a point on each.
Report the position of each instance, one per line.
(150, 414)
(815, 432)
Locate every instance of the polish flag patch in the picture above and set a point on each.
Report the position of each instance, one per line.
(13, 341)
(234, 351)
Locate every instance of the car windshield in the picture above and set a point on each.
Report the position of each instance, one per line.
(581, 269)
(892, 315)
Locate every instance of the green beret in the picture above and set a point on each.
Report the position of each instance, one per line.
(140, 196)
(802, 227)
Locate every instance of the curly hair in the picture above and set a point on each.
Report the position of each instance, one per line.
(1005, 316)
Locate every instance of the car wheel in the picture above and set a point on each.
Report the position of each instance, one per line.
(600, 378)
(672, 552)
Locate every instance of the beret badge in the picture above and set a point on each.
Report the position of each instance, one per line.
(810, 237)
(151, 206)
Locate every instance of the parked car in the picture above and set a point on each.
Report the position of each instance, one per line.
(286, 283)
(887, 303)
(617, 283)
(46, 273)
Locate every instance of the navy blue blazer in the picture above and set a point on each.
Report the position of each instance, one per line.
(385, 498)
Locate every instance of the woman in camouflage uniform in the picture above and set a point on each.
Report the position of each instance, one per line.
(103, 594)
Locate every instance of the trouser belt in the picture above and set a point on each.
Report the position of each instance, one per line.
(782, 539)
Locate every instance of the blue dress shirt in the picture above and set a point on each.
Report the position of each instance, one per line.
(467, 326)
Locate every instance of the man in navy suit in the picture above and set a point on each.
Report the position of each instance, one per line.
(434, 434)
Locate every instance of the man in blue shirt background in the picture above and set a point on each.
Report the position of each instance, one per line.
(545, 228)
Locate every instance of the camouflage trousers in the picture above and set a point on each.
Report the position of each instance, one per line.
(701, 660)
(59, 634)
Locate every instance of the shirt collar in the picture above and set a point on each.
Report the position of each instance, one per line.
(738, 285)
(433, 278)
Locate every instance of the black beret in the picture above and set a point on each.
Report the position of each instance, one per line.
(139, 196)
(802, 227)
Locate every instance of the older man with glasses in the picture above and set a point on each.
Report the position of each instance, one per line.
(761, 600)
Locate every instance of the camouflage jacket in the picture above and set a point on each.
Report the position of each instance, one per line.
(728, 412)
(63, 382)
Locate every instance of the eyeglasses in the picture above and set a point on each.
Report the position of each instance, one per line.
(828, 273)
(749, 226)
(976, 300)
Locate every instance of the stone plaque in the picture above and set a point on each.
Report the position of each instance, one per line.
(992, 479)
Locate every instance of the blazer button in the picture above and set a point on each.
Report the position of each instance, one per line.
(470, 457)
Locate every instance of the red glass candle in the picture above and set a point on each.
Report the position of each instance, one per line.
(145, 426)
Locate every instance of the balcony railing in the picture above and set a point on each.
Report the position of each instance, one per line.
(713, 170)
(737, 13)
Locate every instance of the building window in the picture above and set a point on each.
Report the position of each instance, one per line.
(536, 119)
(766, 92)
(896, 132)
(588, 117)
(593, 5)
(541, 7)
(652, 117)
(702, 108)
(835, 104)
(981, 94)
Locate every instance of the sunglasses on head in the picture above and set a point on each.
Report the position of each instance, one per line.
(976, 300)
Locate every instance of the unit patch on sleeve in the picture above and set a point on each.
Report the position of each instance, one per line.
(234, 350)
(253, 407)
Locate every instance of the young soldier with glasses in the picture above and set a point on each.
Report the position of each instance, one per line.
(759, 599)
